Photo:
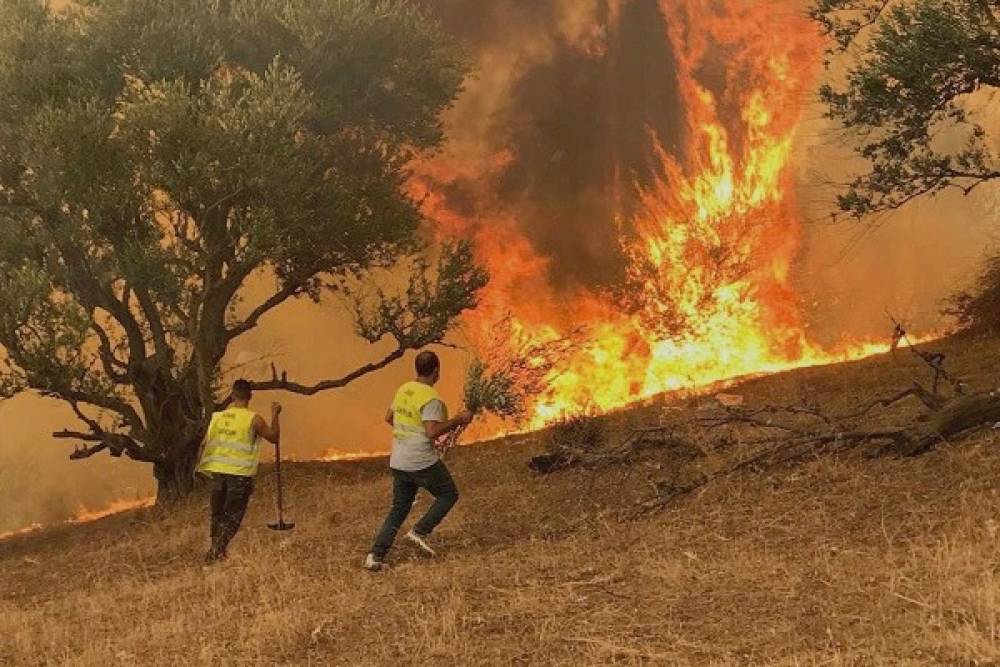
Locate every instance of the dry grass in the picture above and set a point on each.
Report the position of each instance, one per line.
(837, 562)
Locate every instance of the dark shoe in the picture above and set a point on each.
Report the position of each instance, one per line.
(213, 557)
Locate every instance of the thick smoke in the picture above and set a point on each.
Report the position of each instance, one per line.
(906, 262)
(577, 93)
(578, 97)
(38, 482)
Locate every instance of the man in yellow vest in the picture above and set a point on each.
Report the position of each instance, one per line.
(418, 418)
(231, 456)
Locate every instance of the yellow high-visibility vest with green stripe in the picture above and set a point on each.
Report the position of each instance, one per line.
(231, 445)
(407, 422)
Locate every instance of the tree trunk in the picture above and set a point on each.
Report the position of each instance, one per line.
(178, 422)
(175, 475)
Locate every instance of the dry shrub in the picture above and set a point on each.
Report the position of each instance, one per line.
(583, 433)
(572, 440)
(977, 309)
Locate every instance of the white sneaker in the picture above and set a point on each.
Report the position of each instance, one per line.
(373, 564)
(421, 541)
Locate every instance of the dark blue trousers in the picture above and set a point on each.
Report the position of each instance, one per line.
(438, 482)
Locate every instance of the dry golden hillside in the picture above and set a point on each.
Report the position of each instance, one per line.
(833, 561)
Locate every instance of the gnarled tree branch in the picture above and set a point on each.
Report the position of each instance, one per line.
(116, 369)
(116, 443)
(288, 291)
(282, 383)
(155, 322)
(116, 405)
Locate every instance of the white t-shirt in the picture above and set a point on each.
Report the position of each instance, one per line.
(417, 452)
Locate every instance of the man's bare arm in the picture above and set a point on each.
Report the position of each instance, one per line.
(270, 433)
(435, 430)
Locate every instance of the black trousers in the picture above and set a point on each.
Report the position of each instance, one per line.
(437, 480)
(230, 497)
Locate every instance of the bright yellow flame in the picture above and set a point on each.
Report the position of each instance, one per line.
(710, 250)
(338, 455)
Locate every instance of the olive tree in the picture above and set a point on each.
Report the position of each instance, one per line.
(911, 67)
(156, 156)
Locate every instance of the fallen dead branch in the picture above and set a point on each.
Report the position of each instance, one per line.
(833, 436)
(956, 417)
(794, 433)
(779, 435)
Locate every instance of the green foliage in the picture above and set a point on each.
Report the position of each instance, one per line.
(430, 303)
(510, 373)
(495, 392)
(844, 20)
(513, 370)
(157, 154)
(916, 63)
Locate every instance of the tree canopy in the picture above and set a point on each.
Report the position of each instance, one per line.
(913, 66)
(155, 155)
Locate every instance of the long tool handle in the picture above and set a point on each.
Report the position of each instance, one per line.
(277, 470)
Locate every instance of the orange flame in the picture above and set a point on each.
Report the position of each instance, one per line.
(85, 515)
(339, 455)
(21, 531)
(711, 250)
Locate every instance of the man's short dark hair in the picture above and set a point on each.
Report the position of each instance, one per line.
(426, 363)
(242, 390)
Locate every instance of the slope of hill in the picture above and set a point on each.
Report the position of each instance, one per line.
(840, 561)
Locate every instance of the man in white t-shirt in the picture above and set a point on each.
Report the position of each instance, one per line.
(418, 418)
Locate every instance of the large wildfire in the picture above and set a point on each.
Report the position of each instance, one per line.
(707, 237)
(710, 245)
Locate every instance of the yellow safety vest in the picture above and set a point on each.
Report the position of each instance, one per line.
(407, 423)
(231, 446)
